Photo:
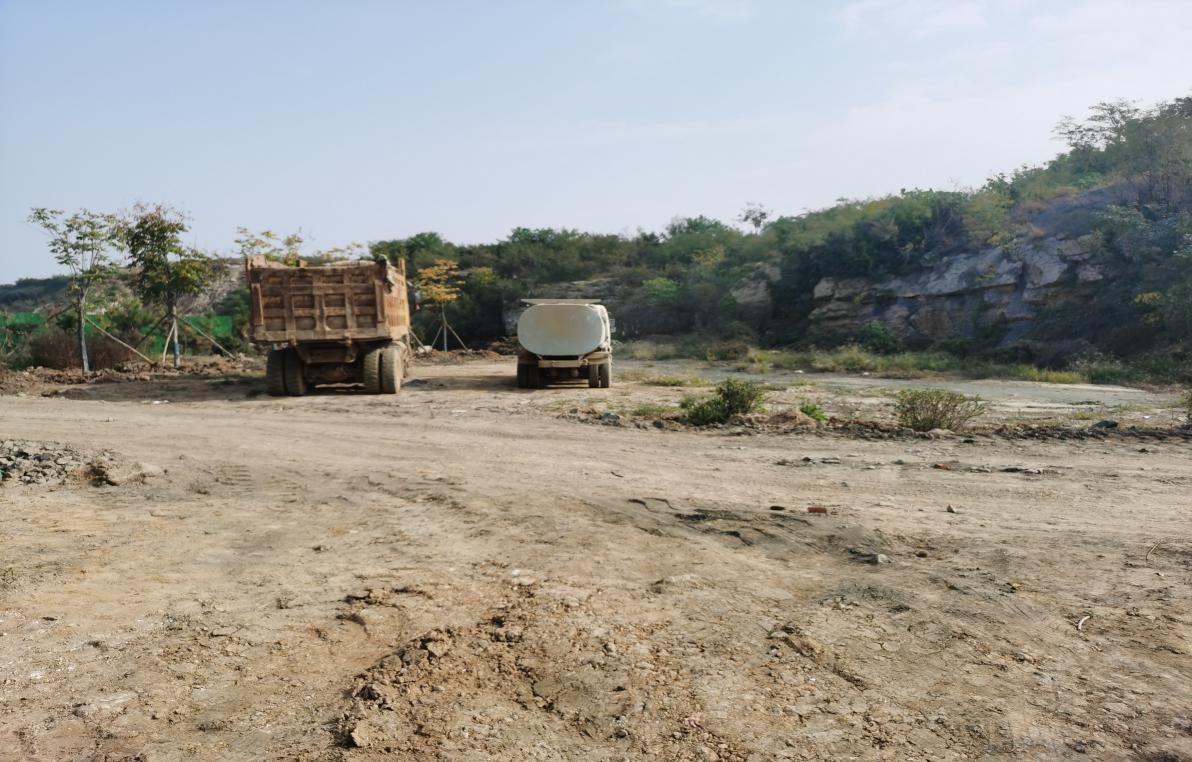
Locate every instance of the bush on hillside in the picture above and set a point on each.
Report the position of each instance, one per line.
(878, 337)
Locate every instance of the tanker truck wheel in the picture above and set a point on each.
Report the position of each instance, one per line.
(275, 382)
(594, 376)
(534, 378)
(606, 375)
(294, 371)
(391, 370)
(372, 371)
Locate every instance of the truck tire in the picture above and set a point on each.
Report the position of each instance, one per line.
(606, 374)
(534, 377)
(372, 371)
(275, 369)
(391, 370)
(594, 376)
(521, 376)
(294, 372)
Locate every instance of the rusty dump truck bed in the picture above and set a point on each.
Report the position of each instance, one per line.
(342, 302)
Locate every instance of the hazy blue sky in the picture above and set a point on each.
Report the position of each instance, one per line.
(356, 121)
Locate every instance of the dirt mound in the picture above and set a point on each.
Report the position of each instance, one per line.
(791, 418)
(542, 676)
(456, 356)
(554, 669)
(38, 380)
(48, 463)
(506, 346)
(33, 379)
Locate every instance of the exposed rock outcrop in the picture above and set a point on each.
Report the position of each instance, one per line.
(997, 291)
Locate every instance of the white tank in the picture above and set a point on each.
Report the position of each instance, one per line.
(563, 329)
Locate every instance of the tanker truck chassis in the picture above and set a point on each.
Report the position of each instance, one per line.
(564, 340)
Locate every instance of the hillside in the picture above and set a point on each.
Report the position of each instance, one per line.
(1089, 255)
(28, 294)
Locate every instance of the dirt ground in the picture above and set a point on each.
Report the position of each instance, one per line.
(468, 571)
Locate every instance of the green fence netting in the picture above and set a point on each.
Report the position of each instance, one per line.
(15, 327)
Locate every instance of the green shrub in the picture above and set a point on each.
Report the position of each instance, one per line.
(813, 411)
(927, 409)
(877, 337)
(1186, 405)
(740, 397)
(732, 397)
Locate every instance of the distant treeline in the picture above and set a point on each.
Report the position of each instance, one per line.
(686, 273)
(28, 294)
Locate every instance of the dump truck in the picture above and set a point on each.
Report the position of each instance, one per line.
(564, 339)
(340, 323)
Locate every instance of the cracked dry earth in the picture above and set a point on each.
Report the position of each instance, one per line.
(456, 573)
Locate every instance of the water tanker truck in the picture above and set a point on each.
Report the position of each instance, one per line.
(564, 339)
(342, 323)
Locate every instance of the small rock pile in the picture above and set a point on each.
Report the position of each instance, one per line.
(45, 463)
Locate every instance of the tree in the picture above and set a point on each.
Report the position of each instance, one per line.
(438, 286)
(270, 245)
(288, 249)
(1107, 125)
(419, 250)
(83, 243)
(164, 269)
(661, 292)
(348, 251)
(755, 215)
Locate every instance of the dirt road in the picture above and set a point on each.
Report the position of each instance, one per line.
(461, 573)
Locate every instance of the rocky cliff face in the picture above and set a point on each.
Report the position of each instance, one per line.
(997, 292)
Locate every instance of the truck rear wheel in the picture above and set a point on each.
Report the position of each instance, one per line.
(294, 372)
(594, 376)
(275, 381)
(606, 374)
(391, 370)
(372, 371)
(534, 377)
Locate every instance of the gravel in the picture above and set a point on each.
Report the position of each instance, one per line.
(47, 463)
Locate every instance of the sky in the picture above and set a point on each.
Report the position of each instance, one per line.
(356, 121)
